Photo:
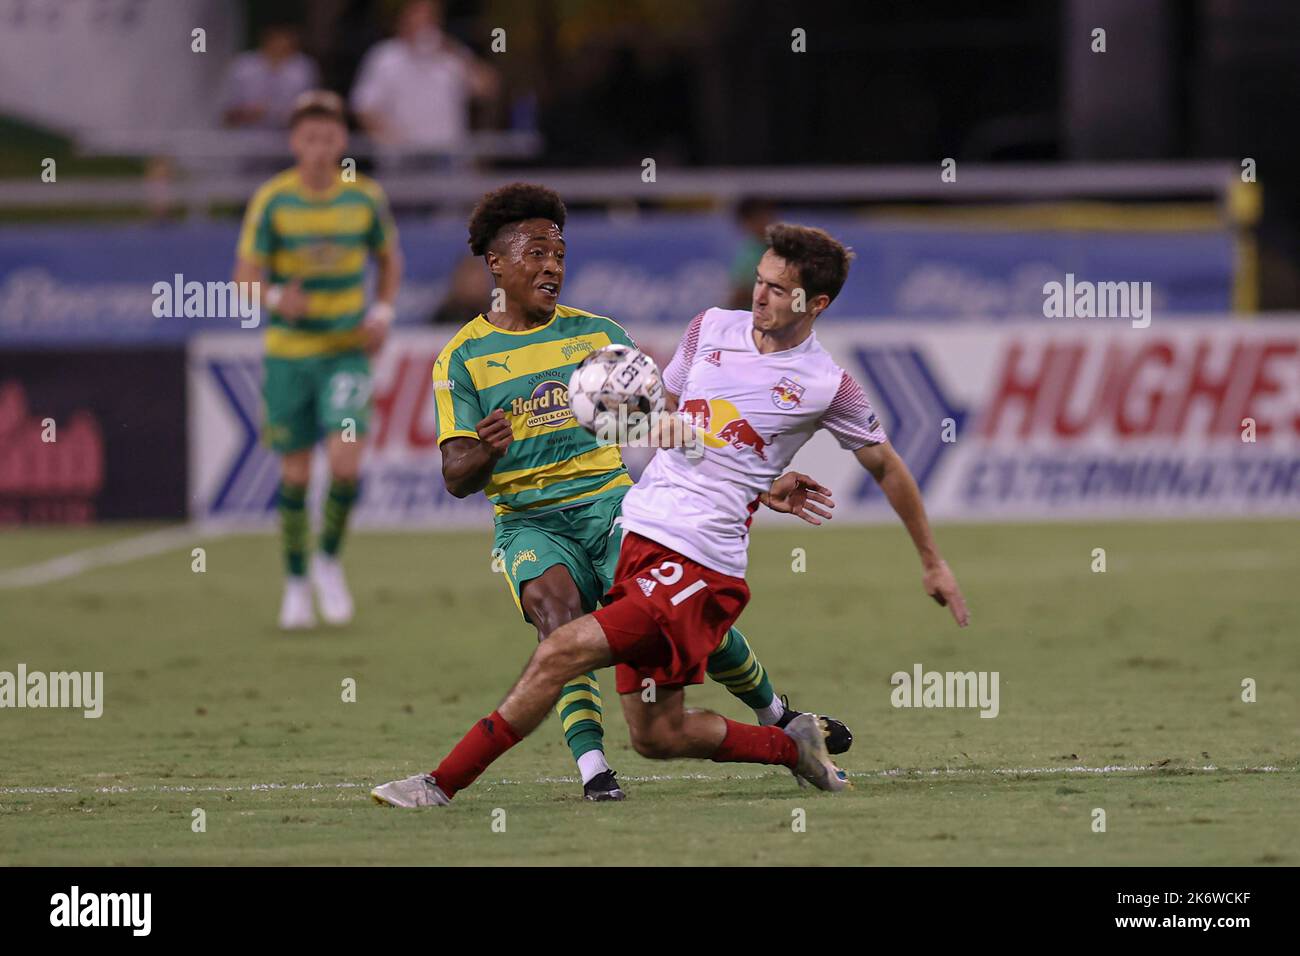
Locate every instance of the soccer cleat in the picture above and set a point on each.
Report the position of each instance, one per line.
(814, 762)
(331, 590)
(838, 736)
(603, 786)
(418, 791)
(296, 612)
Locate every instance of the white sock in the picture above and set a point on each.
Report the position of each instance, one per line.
(769, 715)
(592, 763)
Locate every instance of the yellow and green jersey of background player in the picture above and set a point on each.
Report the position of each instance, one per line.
(323, 240)
(553, 462)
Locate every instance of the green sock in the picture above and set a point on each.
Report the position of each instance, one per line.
(292, 504)
(734, 666)
(581, 716)
(338, 504)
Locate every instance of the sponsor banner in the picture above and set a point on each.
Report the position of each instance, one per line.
(92, 435)
(106, 284)
(1029, 421)
(1078, 419)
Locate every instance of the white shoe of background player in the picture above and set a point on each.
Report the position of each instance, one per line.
(296, 612)
(331, 589)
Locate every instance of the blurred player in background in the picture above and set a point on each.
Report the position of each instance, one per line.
(504, 428)
(753, 216)
(309, 233)
(679, 585)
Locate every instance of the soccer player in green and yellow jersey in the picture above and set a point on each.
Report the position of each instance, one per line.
(311, 232)
(504, 428)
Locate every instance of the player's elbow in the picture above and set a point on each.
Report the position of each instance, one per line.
(454, 483)
(456, 488)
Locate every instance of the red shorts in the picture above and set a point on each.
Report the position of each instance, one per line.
(666, 614)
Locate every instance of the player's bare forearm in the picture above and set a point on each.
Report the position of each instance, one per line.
(467, 463)
(380, 315)
(466, 466)
(900, 489)
(389, 266)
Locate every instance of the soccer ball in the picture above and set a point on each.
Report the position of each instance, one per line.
(613, 378)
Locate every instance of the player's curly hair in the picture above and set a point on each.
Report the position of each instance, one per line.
(822, 260)
(510, 204)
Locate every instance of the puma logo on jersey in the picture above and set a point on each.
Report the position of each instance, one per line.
(501, 365)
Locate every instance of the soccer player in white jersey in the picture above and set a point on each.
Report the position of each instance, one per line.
(757, 385)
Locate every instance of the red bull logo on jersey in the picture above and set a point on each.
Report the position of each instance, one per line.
(722, 425)
(548, 405)
(786, 394)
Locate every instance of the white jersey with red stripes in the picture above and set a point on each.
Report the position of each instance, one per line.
(756, 411)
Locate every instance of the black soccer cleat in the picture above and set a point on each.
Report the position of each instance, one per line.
(603, 786)
(838, 736)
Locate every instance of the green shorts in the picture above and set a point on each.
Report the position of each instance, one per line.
(306, 399)
(585, 539)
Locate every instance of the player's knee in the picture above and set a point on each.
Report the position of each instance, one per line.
(345, 462)
(349, 472)
(550, 612)
(295, 469)
(657, 743)
(554, 657)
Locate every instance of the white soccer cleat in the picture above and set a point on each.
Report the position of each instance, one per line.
(815, 764)
(413, 792)
(296, 613)
(331, 589)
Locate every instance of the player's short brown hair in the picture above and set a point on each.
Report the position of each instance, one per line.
(822, 260)
(510, 204)
(320, 104)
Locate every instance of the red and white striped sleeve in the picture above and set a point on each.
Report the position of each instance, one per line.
(676, 371)
(850, 417)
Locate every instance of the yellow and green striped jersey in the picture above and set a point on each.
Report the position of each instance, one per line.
(553, 462)
(324, 240)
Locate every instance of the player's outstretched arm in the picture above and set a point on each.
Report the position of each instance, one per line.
(896, 481)
(467, 463)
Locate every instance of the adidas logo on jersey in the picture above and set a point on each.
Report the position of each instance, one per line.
(646, 585)
(714, 358)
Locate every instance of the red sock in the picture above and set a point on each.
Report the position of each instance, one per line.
(486, 740)
(745, 743)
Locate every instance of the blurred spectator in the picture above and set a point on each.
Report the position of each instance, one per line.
(754, 216)
(262, 84)
(415, 88)
(468, 292)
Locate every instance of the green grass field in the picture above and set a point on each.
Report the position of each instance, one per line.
(209, 707)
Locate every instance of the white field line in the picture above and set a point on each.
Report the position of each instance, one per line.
(895, 773)
(116, 552)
